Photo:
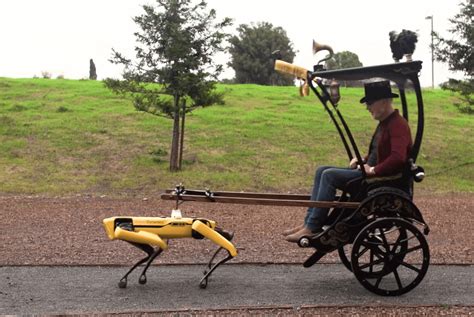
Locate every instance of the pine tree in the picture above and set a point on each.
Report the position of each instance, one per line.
(458, 52)
(177, 41)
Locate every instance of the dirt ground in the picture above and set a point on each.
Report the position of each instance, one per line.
(68, 230)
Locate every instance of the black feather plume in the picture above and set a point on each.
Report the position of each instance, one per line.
(402, 43)
(408, 41)
(397, 52)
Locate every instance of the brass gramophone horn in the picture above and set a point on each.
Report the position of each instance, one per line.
(321, 47)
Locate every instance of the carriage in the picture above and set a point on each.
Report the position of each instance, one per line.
(374, 225)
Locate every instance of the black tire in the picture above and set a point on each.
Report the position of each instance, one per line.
(388, 190)
(398, 256)
(344, 256)
(345, 252)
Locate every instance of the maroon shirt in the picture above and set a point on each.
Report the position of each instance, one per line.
(393, 146)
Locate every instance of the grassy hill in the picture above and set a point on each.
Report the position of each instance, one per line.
(64, 136)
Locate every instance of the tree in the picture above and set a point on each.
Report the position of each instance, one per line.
(344, 59)
(458, 53)
(174, 72)
(251, 54)
(92, 70)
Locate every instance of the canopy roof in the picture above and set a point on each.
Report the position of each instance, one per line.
(397, 72)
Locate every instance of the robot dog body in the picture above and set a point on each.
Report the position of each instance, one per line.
(147, 232)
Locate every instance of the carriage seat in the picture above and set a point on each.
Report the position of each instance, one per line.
(357, 189)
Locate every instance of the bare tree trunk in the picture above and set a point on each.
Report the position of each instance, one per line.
(181, 143)
(175, 142)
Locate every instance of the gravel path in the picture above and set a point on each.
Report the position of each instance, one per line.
(68, 231)
(73, 290)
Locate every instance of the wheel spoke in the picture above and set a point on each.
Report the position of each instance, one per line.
(397, 278)
(370, 244)
(409, 250)
(371, 269)
(384, 239)
(371, 264)
(375, 248)
(377, 282)
(397, 243)
(411, 267)
(378, 254)
(363, 252)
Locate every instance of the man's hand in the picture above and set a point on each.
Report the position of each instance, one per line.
(353, 163)
(369, 170)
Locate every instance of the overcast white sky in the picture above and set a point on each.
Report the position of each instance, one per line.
(60, 36)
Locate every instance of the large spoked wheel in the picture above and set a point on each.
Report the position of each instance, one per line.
(344, 255)
(390, 256)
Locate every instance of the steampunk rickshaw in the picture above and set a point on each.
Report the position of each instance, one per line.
(373, 224)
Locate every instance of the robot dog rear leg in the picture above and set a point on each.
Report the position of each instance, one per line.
(148, 249)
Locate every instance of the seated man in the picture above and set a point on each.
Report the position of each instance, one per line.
(388, 154)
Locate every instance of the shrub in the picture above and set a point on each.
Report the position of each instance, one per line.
(46, 74)
(466, 90)
(159, 155)
(18, 108)
(62, 109)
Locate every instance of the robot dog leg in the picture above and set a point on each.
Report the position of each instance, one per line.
(123, 231)
(146, 232)
(148, 249)
(219, 237)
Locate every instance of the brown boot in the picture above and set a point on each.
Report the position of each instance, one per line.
(295, 237)
(287, 232)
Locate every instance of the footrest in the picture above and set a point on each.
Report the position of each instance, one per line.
(314, 258)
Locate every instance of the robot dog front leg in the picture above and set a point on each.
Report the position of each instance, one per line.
(217, 236)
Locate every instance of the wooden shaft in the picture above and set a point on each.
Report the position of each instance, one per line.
(245, 194)
(263, 201)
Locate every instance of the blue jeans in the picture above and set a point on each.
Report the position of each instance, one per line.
(326, 181)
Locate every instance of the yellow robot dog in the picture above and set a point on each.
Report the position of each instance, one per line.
(146, 232)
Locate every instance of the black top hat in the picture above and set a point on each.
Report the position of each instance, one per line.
(376, 91)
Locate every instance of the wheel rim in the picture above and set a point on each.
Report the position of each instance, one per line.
(344, 255)
(390, 256)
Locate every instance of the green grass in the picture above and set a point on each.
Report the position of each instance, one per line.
(64, 136)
